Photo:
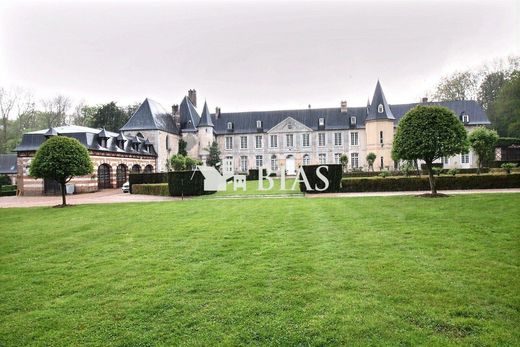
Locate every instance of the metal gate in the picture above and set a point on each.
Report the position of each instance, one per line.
(121, 175)
(104, 177)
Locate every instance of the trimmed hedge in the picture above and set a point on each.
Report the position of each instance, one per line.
(7, 190)
(186, 183)
(147, 178)
(390, 184)
(333, 174)
(5, 180)
(152, 189)
(412, 173)
(507, 141)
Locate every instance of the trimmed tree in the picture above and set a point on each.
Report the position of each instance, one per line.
(61, 158)
(371, 158)
(428, 133)
(482, 141)
(344, 161)
(214, 154)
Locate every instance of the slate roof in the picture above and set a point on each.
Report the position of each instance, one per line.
(205, 119)
(379, 99)
(8, 164)
(88, 137)
(151, 116)
(189, 117)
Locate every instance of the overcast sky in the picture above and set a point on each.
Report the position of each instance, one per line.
(248, 55)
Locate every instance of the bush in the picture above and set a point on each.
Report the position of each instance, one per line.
(254, 174)
(453, 172)
(384, 174)
(147, 178)
(7, 190)
(507, 141)
(422, 183)
(5, 180)
(186, 183)
(508, 167)
(333, 174)
(437, 170)
(152, 189)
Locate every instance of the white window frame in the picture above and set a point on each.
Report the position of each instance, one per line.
(306, 142)
(229, 126)
(306, 159)
(354, 160)
(338, 139)
(243, 163)
(291, 142)
(322, 158)
(354, 138)
(321, 122)
(259, 141)
(320, 137)
(353, 120)
(380, 108)
(243, 144)
(465, 118)
(337, 158)
(259, 161)
(258, 123)
(464, 158)
(274, 163)
(229, 143)
(273, 144)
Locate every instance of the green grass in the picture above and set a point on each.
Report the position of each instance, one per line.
(357, 271)
(252, 189)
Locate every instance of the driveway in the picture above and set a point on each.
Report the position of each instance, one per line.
(102, 197)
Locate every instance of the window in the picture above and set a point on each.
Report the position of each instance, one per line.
(305, 140)
(381, 137)
(464, 158)
(243, 164)
(259, 124)
(322, 157)
(274, 163)
(337, 157)
(258, 141)
(229, 142)
(322, 122)
(445, 160)
(274, 141)
(380, 108)
(465, 118)
(338, 139)
(259, 161)
(354, 139)
(354, 160)
(229, 126)
(306, 159)
(353, 120)
(243, 142)
(321, 139)
(290, 142)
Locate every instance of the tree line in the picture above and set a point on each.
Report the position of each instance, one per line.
(20, 113)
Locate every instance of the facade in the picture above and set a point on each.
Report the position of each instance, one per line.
(289, 138)
(8, 166)
(113, 155)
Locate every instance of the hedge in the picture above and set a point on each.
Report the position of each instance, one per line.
(152, 189)
(333, 173)
(421, 183)
(254, 173)
(186, 183)
(507, 141)
(7, 190)
(412, 172)
(147, 178)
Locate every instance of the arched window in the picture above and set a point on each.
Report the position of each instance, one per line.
(136, 168)
(148, 169)
(104, 176)
(121, 175)
(306, 159)
(380, 108)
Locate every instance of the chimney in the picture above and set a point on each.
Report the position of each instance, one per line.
(424, 100)
(192, 95)
(344, 106)
(217, 112)
(175, 109)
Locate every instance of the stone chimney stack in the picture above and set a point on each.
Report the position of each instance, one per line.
(176, 116)
(192, 95)
(424, 100)
(343, 106)
(217, 112)
(175, 109)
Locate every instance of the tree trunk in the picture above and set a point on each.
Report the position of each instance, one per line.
(479, 165)
(63, 193)
(431, 177)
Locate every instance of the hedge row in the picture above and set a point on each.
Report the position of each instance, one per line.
(147, 178)
(254, 173)
(186, 183)
(422, 183)
(7, 190)
(152, 189)
(507, 141)
(412, 172)
(333, 173)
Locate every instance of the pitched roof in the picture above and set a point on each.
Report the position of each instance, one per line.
(151, 116)
(378, 100)
(8, 164)
(189, 115)
(205, 119)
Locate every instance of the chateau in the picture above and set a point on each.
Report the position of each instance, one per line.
(288, 138)
(270, 139)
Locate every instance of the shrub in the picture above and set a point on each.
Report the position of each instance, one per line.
(152, 189)
(453, 172)
(508, 167)
(186, 183)
(8, 190)
(437, 170)
(384, 174)
(5, 180)
(422, 183)
(147, 178)
(333, 174)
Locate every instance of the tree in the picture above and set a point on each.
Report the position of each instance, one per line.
(214, 154)
(344, 161)
(55, 110)
(182, 147)
(507, 107)
(84, 114)
(458, 86)
(7, 102)
(61, 158)
(371, 157)
(482, 141)
(428, 133)
(110, 117)
(179, 162)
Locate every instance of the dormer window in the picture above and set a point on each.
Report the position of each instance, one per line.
(380, 108)
(229, 126)
(103, 142)
(322, 122)
(465, 118)
(259, 124)
(353, 120)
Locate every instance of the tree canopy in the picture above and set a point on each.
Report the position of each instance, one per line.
(214, 154)
(482, 141)
(507, 107)
(428, 133)
(61, 158)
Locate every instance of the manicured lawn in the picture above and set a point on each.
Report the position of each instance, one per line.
(252, 189)
(357, 271)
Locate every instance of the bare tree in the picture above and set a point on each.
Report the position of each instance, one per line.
(56, 110)
(26, 111)
(7, 102)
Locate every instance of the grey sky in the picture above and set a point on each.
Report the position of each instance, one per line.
(248, 55)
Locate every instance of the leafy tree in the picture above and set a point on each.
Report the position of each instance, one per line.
(344, 161)
(55, 111)
(182, 147)
(179, 162)
(428, 133)
(488, 91)
(84, 115)
(507, 107)
(482, 141)
(61, 158)
(371, 158)
(110, 117)
(214, 154)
